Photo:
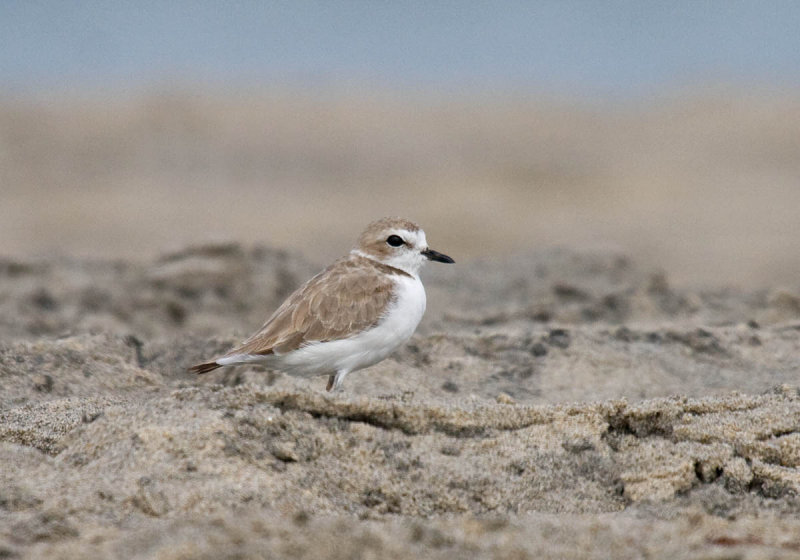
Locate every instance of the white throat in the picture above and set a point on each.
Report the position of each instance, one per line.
(394, 263)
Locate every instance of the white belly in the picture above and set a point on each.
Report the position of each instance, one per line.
(364, 349)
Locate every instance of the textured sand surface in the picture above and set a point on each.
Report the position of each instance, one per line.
(554, 404)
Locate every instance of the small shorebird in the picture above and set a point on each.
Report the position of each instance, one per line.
(349, 316)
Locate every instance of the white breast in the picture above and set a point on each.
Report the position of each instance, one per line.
(369, 347)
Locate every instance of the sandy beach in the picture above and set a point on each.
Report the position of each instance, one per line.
(609, 370)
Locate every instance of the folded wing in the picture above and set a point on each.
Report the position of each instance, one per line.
(349, 296)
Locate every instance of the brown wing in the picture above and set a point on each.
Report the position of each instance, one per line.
(350, 295)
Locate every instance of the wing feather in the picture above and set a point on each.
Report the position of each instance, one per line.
(350, 295)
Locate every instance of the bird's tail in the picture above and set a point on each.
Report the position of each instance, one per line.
(204, 368)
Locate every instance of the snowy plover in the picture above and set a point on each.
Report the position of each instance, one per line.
(349, 316)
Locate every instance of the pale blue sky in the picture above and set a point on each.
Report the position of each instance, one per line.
(585, 48)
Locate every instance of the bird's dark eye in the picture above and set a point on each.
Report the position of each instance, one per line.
(395, 240)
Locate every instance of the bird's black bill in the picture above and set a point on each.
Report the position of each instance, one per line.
(437, 256)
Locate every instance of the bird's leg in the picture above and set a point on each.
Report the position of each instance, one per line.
(335, 381)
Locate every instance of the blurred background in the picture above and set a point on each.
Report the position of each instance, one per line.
(669, 131)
